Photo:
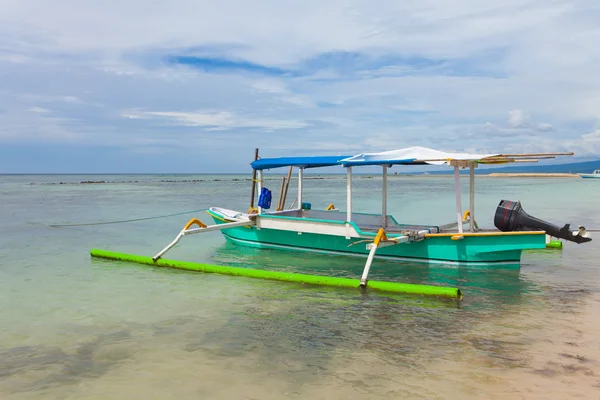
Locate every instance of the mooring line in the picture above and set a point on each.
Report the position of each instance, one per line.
(128, 220)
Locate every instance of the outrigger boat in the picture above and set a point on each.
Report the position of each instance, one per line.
(381, 235)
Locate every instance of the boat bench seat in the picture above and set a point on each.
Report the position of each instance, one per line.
(366, 223)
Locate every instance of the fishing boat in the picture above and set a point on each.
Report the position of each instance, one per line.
(380, 235)
(595, 174)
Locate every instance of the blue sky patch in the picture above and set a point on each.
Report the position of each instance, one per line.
(347, 65)
(342, 64)
(209, 64)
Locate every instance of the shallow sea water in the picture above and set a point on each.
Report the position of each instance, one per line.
(72, 327)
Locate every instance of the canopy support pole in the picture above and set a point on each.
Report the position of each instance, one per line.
(384, 197)
(458, 202)
(472, 197)
(349, 196)
(300, 178)
(259, 187)
(252, 194)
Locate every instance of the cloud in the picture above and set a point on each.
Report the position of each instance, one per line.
(39, 110)
(592, 136)
(220, 120)
(36, 125)
(518, 119)
(545, 127)
(270, 86)
(336, 76)
(280, 88)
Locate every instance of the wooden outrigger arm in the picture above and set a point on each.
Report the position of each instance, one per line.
(202, 228)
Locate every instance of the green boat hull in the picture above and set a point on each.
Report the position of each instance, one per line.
(492, 249)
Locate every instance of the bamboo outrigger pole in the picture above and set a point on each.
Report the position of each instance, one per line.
(537, 155)
(253, 183)
(517, 157)
(279, 206)
(287, 185)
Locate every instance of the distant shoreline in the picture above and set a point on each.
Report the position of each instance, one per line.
(499, 175)
(239, 179)
(532, 175)
(311, 175)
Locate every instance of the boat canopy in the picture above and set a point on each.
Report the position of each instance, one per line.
(411, 156)
(415, 155)
(300, 162)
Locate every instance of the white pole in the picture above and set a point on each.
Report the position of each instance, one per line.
(349, 196)
(300, 178)
(472, 197)
(259, 177)
(384, 198)
(365, 274)
(458, 203)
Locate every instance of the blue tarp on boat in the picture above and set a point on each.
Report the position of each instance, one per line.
(301, 162)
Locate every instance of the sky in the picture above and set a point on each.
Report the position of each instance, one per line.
(100, 86)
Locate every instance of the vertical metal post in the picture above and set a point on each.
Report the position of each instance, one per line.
(472, 197)
(384, 198)
(349, 196)
(300, 178)
(252, 195)
(259, 187)
(458, 201)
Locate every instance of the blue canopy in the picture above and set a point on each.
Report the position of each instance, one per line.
(300, 162)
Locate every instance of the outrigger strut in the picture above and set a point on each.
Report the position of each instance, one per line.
(201, 228)
(381, 240)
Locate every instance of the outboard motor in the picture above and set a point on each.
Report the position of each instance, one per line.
(510, 217)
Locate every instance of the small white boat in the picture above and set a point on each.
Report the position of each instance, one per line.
(595, 174)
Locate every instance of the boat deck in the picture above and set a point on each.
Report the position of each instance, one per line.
(366, 222)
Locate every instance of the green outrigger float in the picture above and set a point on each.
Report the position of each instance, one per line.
(381, 235)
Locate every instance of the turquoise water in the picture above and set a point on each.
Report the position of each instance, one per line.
(76, 328)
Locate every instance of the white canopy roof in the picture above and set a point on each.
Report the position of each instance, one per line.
(411, 155)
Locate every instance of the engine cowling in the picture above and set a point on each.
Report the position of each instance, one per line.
(511, 217)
